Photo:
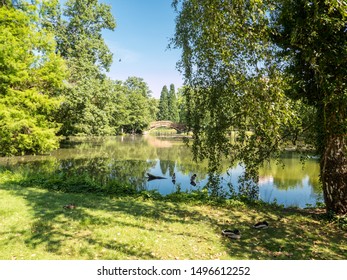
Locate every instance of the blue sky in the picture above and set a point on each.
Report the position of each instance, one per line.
(140, 40)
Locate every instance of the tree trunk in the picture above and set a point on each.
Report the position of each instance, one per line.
(334, 174)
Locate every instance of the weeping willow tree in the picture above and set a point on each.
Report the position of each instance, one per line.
(244, 77)
(233, 84)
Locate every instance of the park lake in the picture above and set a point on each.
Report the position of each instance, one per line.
(292, 182)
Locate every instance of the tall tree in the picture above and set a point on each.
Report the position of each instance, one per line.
(82, 39)
(31, 76)
(163, 113)
(235, 79)
(312, 36)
(172, 104)
(80, 42)
(138, 104)
(116, 106)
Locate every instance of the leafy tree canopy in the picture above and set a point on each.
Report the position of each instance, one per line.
(163, 112)
(89, 97)
(140, 105)
(31, 76)
(232, 83)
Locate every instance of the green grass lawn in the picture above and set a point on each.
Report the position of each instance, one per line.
(34, 225)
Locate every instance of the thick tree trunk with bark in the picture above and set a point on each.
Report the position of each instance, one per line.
(334, 174)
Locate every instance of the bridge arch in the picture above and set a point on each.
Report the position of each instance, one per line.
(177, 126)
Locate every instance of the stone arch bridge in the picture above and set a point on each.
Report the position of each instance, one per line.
(169, 124)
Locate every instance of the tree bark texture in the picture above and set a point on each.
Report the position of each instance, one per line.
(334, 174)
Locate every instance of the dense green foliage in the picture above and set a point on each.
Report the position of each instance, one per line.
(254, 66)
(78, 34)
(163, 113)
(141, 107)
(31, 78)
(168, 105)
(172, 105)
(182, 106)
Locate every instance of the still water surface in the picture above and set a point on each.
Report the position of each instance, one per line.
(130, 158)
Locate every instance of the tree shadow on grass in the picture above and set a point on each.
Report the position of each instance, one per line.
(78, 233)
(54, 228)
(292, 234)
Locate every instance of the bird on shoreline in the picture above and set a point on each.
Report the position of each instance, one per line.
(173, 178)
(261, 225)
(192, 180)
(232, 234)
(69, 206)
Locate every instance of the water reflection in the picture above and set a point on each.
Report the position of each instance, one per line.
(129, 159)
(295, 183)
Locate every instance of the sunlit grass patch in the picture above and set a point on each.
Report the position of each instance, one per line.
(34, 225)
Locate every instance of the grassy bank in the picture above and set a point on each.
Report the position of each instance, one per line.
(34, 225)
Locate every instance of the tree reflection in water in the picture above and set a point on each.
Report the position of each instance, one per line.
(127, 159)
